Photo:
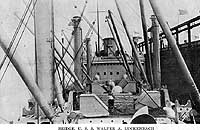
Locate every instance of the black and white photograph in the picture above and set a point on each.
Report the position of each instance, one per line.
(100, 62)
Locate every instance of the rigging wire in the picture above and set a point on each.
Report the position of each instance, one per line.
(119, 27)
(24, 24)
(68, 52)
(118, 49)
(82, 54)
(56, 59)
(58, 72)
(16, 33)
(85, 77)
(87, 34)
(63, 47)
(67, 69)
(5, 119)
(69, 41)
(137, 14)
(61, 68)
(17, 44)
(26, 5)
(135, 52)
(124, 33)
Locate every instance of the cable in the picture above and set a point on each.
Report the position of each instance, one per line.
(58, 72)
(26, 6)
(16, 32)
(121, 29)
(63, 47)
(69, 41)
(135, 11)
(17, 44)
(74, 57)
(56, 60)
(4, 119)
(87, 34)
(132, 9)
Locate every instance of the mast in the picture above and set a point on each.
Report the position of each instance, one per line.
(156, 52)
(44, 47)
(89, 62)
(194, 93)
(146, 40)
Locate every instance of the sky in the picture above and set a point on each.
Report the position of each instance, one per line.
(14, 93)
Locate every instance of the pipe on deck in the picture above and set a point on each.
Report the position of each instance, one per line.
(26, 75)
(172, 42)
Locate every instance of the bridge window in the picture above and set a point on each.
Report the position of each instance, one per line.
(111, 73)
(45, 123)
(104, 73)
(117, 73)
(30, 122)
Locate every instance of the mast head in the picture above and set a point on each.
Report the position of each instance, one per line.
(109, 46)
(75, 21)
